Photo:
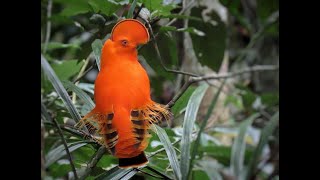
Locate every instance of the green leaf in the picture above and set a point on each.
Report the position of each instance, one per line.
(105, 7)
(222, 153)
(248, 98)
(58, 170)
(106, 161)
(82, 95)
(204, 123)
(235, 100)
(83, 155)
(58, 45)
(157, 8)
(169, 53)
(189, 121)
(265, 134)
(169, 44)
(200, 175)
(171, 153)
(210, 48)
(132, 7)
(167, 28)
(149, 53)
(265, 8)
(270, 99)
(239, 147)
(60, 89)
(97, 48)
(117, 173)
(66, 69)
(74, 7)
(58, 152)
(182, 102)
(211, 168)
(90, 178)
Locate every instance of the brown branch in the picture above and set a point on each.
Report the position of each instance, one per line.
(233, 74)
(215, 77)
(95, 159)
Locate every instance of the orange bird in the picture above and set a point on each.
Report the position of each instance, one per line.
(124, 110)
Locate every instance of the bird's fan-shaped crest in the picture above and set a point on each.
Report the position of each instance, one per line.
(133, 28)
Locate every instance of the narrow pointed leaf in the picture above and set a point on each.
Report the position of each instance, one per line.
(189, 120)
(204, 123)
(266, 133)
(60, 89)
(97, 48)
(58, 152)
(132, 7)
(171, 153)
(81, 94)
(239, 147)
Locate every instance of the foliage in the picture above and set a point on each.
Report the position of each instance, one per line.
(220, 128)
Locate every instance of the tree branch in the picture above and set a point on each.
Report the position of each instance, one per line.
(222, 76)
(95, 159)
(233, 74)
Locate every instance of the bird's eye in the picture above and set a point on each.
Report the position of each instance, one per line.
(124, 42)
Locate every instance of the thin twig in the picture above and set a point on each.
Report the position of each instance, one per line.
(74, 97)
(233, 74)
(223, 76)
(271, 19)
(48, 28)
(138, 12)
(83, 74)
(181, 12)
(74, 131)
(159, 56)
(95, 159)
(44, 110)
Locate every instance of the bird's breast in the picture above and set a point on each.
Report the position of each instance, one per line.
(122, 84)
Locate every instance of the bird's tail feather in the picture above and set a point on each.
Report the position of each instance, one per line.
(133, 162)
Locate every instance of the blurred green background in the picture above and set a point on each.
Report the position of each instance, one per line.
(237, 119)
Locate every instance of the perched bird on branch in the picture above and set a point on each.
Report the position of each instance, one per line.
(124, 110)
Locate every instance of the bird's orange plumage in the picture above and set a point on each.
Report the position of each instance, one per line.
(124, 109)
